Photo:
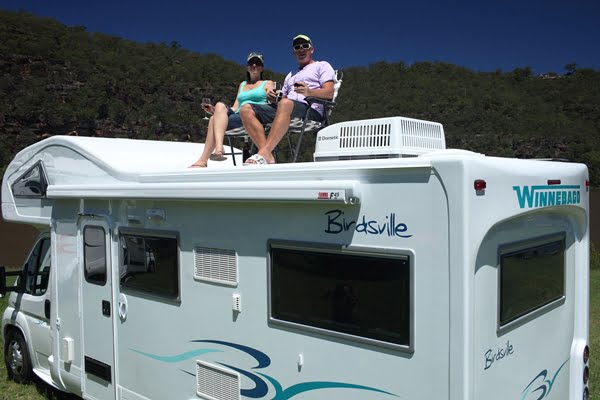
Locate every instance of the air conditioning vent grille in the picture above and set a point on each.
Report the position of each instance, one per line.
(215, 265)
(216, 383)
(361, 136)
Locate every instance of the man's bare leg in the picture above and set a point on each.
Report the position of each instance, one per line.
(253, 126)
(279, 128)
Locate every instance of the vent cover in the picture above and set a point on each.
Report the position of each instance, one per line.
(216, 383)
(215, 265)
(379, 138)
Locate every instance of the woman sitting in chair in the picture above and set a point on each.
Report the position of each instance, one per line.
(252, 91)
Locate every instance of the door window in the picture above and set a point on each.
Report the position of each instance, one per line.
(94, 251)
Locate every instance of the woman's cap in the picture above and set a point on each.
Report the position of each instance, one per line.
(255, 55)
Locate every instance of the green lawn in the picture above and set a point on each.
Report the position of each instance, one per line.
(40, 391)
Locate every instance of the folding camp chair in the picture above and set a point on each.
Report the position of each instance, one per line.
(298, 126)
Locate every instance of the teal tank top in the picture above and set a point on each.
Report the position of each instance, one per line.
(252, 96)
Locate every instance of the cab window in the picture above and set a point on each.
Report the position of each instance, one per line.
(37, 268)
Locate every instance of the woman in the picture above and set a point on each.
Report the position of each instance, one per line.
(252, 91)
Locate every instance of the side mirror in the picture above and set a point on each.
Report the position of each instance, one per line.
(19, 287)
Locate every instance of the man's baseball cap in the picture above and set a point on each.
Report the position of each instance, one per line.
(255, 55)
(301, 37)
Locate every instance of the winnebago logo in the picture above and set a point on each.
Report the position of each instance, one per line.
(547, 195)
(338, 223)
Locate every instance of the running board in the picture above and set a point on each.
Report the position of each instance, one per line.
(44, 375)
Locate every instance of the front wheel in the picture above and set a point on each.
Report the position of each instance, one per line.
(16, 357)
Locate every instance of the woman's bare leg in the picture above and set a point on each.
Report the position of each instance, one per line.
(209, 146)
(219, 127)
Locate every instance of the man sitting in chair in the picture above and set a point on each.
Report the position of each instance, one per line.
(312, 78)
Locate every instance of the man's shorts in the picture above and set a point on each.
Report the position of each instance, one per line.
(266, 112)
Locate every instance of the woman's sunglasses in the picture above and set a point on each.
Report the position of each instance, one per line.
(304, 46)
(257, 63)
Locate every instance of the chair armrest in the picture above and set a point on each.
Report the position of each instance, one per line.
(327, 103)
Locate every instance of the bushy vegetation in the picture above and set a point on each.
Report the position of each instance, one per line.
(56, 79)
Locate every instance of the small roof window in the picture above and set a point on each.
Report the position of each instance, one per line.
(32, 183)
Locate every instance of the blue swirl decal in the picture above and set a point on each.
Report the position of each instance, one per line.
(177, 357)
(308, 386)
(261, 389)
(546, 384)
(263, 360)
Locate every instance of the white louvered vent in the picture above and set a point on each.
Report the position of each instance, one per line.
(215, 265)
(361, 136)
(216, 383)
(379, 138)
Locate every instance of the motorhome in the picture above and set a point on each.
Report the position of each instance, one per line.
(388, 268)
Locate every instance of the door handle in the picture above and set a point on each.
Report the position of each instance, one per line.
(122, 307)
(47, 309)
(106, 308)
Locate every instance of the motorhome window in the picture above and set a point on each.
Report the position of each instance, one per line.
(32, 183)
(364, 296)
(531, 278)
(38, 268)
(150, 264)
(94, 252)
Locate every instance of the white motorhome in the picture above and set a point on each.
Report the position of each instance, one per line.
(388, 268)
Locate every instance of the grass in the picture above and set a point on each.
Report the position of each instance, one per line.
(39, 390)
(36, 390)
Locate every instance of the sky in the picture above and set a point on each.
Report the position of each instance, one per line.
(480, 35)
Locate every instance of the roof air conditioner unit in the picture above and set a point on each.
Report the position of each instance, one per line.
(394, 137)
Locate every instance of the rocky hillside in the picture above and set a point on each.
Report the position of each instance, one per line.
(58, 80)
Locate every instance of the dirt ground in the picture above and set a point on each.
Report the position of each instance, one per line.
(16, 239)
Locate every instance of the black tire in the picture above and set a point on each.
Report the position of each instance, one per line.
(16, 358)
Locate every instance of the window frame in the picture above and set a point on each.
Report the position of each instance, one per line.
(39, 261)
(43, 181)
(362, 251)
(152, 234)
(540, 309)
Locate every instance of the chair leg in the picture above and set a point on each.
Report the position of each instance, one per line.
(298, 143)
(231, 149)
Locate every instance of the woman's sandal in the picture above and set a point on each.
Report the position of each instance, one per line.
(199, 165)
(218, 156)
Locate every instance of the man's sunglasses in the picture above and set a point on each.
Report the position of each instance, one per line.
(257, 63)
(304, 46)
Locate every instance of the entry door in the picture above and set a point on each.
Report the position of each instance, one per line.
(97, 307)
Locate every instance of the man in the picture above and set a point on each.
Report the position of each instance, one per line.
(312, 78)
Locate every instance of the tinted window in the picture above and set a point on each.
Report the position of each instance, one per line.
(531, 278)
(360, 295)
(38, 268)
(32, 183)
(94, 251)
(150, 264)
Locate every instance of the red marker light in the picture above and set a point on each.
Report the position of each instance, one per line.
(479, 184)
(587, 185)
(553, 181)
